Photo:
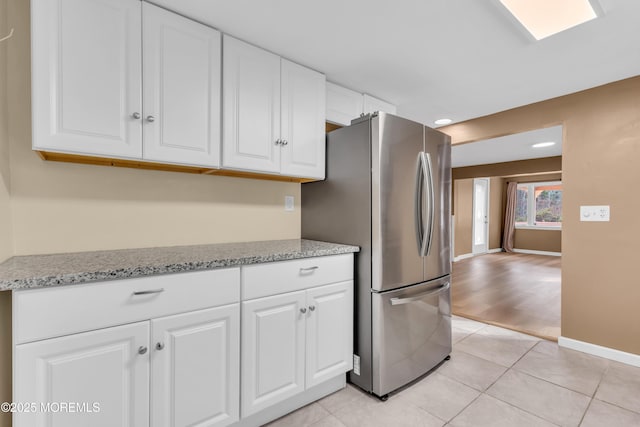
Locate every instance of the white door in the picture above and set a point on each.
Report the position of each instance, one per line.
(181, 119)
(480, 215)
(251, 107)
(104, 372)
(329, 332)
(86, 76)
(196, 368)
(303, 121)
(273, 348)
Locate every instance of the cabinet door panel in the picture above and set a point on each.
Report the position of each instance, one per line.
(251, 93)
(303, 121)
(329, 332)
(181, 89)
(86, 76)
(272, 350)
(100, 367)
(196, 374)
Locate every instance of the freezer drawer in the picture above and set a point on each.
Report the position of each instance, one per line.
(411, 333)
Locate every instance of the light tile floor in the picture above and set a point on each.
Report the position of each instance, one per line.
(496, 377)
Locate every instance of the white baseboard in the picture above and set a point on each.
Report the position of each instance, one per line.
(528, 251)
(465, 256)
(600, 351)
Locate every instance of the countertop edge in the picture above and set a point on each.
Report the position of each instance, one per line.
(109, 274)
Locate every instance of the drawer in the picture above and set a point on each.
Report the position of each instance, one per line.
(285, 276)
(51, 312)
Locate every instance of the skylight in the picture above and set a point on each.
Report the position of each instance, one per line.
(544, 18)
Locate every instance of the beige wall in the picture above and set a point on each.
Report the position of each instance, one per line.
(601, 147)
(6, 236)
(59, 207)
(518, 167)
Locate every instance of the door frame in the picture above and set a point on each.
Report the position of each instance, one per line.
(484, 249)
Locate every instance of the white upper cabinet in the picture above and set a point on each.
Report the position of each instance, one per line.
(86, 76)
(274, 113)
(372, 104)
(181, 118)
(303, 118)
(343, 105)
(251, 94)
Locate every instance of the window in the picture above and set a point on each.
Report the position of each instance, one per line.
(539, 205)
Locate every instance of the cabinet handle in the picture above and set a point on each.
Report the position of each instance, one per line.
(159, 346)
(142, 349)
(151, 119)
(136, 116)
(285, 142)
(149, 292)
(312, 307)
(308, 269)
(303, 310)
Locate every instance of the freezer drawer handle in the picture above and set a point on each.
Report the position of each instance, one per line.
(398, 301)
(149, 292)
(308, 269)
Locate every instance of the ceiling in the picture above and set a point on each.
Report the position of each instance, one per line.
(433, 58)
(508, 148)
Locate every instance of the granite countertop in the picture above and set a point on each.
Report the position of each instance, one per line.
(38, 271)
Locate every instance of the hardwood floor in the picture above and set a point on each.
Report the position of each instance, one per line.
(515, 291)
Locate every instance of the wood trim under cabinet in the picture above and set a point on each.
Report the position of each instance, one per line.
(138, 164)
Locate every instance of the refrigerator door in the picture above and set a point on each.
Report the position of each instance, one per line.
(437, 196)
(411, 333)
(396, 145)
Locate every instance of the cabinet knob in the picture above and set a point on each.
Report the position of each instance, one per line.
(285, 142)
(278, 141)
(312, 307)
(136, 116)
(142, 349)
(151, 119)
(303, 310)
(159, 346)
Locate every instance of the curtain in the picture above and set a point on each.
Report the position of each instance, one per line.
(510, 217)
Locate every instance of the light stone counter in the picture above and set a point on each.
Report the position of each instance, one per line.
(37, 271)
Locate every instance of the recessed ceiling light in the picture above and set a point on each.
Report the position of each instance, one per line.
(544, 18)
(443, 121)
(543, 144)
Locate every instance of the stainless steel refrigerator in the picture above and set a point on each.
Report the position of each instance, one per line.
(387, 190)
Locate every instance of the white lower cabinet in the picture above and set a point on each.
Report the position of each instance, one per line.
(103, 368)
(195, 366)
(293, 341)
(177, 366)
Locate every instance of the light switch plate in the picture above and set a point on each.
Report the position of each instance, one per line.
(289, 203)
(595, 213)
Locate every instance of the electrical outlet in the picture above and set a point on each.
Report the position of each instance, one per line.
(289, 203)
(595, 213)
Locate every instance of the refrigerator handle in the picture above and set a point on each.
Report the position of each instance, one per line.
(419, 194)
(398, 301)
(431, 212)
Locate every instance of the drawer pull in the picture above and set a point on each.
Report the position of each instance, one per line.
(308, 269)
(149, 292)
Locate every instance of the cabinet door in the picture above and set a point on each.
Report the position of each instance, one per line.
(251, 110)
(372, 104)
(101, 372)
(86, 76)
(329, 332)
(343, 105)
(272, 350)
(303, 121)
(196, 368)
(181, 89)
